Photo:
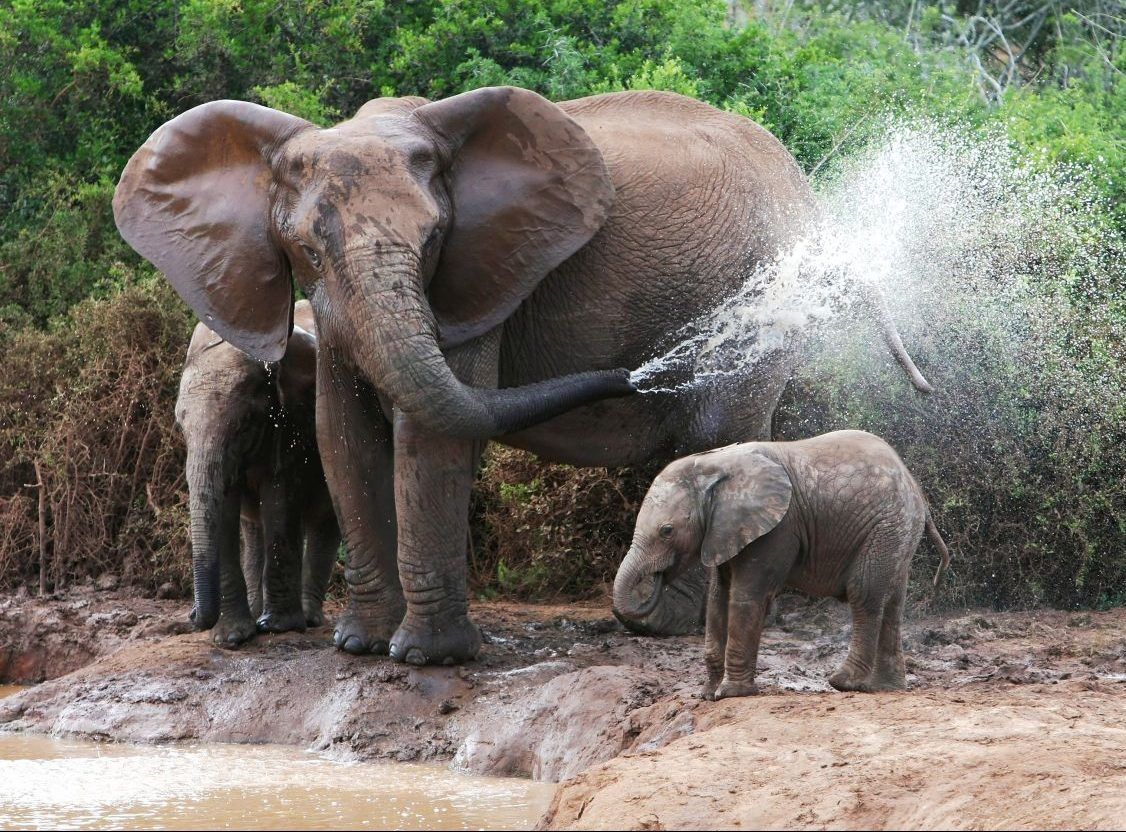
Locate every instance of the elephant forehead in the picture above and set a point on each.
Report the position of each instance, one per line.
(354, 189)
(348, 155)
(664, 496)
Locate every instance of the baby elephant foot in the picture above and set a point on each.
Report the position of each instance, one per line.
(728, 690)
(847, 679)
(443, 641)
(281, 622)
(890, 680)
(358, 634)
(232, 630)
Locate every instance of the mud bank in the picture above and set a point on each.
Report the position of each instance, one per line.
(556, 690)
(1021, 704)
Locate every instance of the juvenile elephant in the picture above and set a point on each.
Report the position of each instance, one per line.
(838, 515)
(252, 461)
(477, 267)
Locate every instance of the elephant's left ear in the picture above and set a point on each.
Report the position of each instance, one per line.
(528, 188)
(744, 502)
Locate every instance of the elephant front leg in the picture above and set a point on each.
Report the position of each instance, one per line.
(715, 631)
(281, 575)
(355, 446)
(433, 478)
(235, 624)
(745, 617)
(756, 576)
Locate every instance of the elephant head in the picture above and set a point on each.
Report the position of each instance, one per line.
(413, 227)
(697, 508)
(233, 411)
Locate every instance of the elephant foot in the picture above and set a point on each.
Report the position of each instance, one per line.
(847, 679)
(357, 634)
(451, 640)
(729, 690)
(887, 681)
(232, 630)
(281, 622)
(314, 615)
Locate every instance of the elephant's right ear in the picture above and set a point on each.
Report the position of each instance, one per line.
(742, 503)
(194, 201)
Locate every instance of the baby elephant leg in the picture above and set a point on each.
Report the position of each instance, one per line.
(875, 593)
(756, 576)
(856, 672)
(715, 630)
(745, 616)
(890, 673)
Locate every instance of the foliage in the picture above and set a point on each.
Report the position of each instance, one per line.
(89, 407)
(92, 345)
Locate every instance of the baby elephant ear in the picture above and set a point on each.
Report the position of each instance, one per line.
(746, 501)
(195, 201)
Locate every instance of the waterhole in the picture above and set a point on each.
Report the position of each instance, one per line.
(49, 783)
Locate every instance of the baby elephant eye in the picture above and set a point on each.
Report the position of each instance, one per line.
(314, 258)
(665, 531)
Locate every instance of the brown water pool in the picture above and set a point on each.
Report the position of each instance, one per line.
(53, 783)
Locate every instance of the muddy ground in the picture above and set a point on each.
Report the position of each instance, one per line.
(1015, 719)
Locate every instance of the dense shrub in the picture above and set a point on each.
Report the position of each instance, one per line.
(89, 421)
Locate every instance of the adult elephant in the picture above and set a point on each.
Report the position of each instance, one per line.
(476, 266)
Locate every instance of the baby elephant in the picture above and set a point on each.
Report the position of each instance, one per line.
(838, 515)
(250, 429)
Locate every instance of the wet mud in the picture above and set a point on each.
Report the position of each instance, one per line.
(562, 693)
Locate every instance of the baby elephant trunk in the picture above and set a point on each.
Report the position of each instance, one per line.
(652, 601)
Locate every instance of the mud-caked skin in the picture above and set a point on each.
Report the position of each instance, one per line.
(253, 467)
(835, 516)
(479, 267)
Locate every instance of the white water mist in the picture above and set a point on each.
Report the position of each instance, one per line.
(927, 215)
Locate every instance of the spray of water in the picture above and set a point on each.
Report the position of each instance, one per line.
(930, 216)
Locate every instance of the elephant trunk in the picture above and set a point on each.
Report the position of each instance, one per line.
(653, 601)
(631, 603)
(214, 529)
(401, 356)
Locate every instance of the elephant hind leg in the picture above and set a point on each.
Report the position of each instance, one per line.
(867, 593)
(252, 560)
(890, 672)
(856, 672)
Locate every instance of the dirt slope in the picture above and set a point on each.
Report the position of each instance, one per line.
(1035, 757)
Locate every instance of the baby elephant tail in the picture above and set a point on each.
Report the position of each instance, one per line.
(940, 544)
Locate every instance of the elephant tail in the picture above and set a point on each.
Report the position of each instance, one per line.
(940, 544)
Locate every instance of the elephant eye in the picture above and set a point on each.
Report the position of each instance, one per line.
(665, 531)
(314, 258)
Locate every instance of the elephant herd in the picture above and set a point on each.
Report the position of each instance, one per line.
(480, 267)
